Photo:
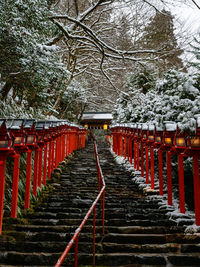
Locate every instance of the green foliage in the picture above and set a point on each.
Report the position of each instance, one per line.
(196, 53)
(159, 35)
(33, 73)
(176, 97)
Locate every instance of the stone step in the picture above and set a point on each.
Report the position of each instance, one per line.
(47, 247)
(138, 230)
(106, 259)
(151, 238)
(49, 236)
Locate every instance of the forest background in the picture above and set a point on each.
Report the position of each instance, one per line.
(61, 58)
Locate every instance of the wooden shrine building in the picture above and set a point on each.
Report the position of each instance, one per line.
(96, 120)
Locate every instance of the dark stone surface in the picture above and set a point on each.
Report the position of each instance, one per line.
(138, 231)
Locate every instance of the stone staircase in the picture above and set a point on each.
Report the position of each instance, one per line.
(138, 231)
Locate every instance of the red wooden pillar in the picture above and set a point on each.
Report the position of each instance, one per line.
(67, 145)
(138, 155)
(152, 167)
(128, 148)
(49, 161)
(169, 178)
(147, 163)
(28, 180)
(160, 172)
(181, 183)
(125, 146)
(40, 167)
(63, 146)
(2, 187)
(35, 175)
(15, 186)
(196, 188)
(131, 151)
(56, 153)
(142, 159)
(45, 164)
(135, 154)
(121, 144)
(52, 155)
(59, 151)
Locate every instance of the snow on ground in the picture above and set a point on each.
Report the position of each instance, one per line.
(173, 211)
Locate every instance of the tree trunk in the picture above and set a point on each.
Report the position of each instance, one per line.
(5, 90)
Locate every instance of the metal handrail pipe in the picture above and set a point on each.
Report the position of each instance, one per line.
(78, 230)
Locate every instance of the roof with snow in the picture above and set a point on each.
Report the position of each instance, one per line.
(96, 119)
(97, 116)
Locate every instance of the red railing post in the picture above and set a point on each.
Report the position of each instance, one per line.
(2, 187)
(128, 148)
(101, 198)
(40, 167)
(35, 175)
(66, 145)
(181, 183)
(131, 151)
(152, 167)
(142, 159)
(76, 253)
(15, 186)
(196, 188)
(147, 163)
(56, 152)
(160, 159)
(52, 155)
(45, 164)
(125, 146)
(94, 223)
(135, 154)
(28, 180)
(49, 160)
(138, 155)
(169, 178)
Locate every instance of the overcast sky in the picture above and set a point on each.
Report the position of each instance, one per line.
(190, 16)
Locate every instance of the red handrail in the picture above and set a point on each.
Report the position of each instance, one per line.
(74, 239)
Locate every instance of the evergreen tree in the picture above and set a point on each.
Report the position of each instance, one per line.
(159, 35)
(29, 68)
(196, 53)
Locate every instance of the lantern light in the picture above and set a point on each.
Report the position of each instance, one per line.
(195, 141)
(144, 132)
(158, 136)
(180, 141)
(151, 130)
(105, 126)
(158, 139)
(169, 133)
(168, 141)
